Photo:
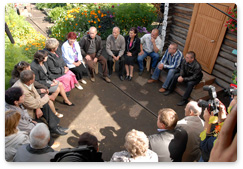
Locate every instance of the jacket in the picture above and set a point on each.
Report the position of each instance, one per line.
(12, 142)
(55, 65)
(32, 99)
(84, 44)
(40, 75)
(135, 48)
(191, 71)
(25, 122)
(169, 144)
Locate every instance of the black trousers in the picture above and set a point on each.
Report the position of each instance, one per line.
(121, 63)
(50, 118)
(79, 71)
(189, 88)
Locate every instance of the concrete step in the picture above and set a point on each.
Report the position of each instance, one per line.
(198, 92)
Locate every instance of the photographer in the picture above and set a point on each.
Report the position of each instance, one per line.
(207, 144)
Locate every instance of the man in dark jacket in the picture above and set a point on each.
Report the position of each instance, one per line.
(190, 73)
(170, 143)
(91, 49)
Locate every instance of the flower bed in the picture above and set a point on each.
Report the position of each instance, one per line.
(104, 17)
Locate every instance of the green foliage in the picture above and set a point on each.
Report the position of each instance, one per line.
(27, 41)
(49, 5)
(135, 14)
(56, 13)
(104, 16)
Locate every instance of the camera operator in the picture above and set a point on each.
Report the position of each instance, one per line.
(207, 144)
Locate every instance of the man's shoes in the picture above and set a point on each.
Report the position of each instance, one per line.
(58, 131)
(162, 90)
(107, 79)
(92, 79)
(182, 102)
(121, 78)
(130, 78)
(152, 81)
(166, 93)
(140, 73)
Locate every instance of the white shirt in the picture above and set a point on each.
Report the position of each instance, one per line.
(68, 54)
(148, 45)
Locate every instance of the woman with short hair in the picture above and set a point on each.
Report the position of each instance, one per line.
(58, 67)
(13, 137)
(71, 54)
(14, 97)
(136, 144)
(44, 76)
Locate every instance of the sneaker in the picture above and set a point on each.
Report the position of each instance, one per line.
(83, 81)
(78, 86)
(107, 79)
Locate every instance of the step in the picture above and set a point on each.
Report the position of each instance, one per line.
(198, 92)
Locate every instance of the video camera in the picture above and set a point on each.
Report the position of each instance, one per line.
(231, 91)
(212, 104)
(82, 153)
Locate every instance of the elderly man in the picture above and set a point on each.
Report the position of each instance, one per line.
(36, 106)
(171, 62)
(170, 142)
(115, 47)
(150, 45)
(37, 150)
(91, 49)
(190, 73)
(193, 125)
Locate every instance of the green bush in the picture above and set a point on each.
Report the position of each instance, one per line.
(129, 15)
(27, 41)
(56, 13)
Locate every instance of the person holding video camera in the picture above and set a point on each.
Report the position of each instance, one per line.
(207, 144)
(190, 73)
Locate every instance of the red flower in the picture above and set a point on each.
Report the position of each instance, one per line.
(112, 6)
(99, 7)
(107, 11)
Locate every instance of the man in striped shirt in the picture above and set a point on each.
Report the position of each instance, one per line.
(171, 62)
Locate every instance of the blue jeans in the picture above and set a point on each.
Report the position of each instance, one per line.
(170, 75)
(153, 55)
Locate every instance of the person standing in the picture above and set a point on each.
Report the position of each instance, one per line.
(190, 73)
(150, 45)
(91, 49)
(193, 125)
(115, 47)
(132, 49)
(170, 142)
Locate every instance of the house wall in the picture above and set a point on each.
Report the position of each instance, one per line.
(177, 29)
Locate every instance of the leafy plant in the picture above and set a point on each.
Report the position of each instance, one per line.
(231, 23)
(27, 41)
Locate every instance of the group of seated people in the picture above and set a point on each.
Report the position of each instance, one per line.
(31, 117)
(175, 141)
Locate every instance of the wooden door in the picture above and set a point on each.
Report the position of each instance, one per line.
(206, 33)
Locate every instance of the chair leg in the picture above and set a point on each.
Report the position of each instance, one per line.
(148, 62)
(96, 68)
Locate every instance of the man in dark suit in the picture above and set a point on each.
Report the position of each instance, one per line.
(170, 142)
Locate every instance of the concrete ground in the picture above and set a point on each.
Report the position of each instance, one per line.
(110, 110)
